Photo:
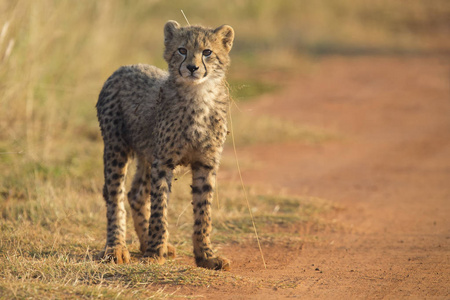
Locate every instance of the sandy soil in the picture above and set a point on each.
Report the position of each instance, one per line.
(390, 173)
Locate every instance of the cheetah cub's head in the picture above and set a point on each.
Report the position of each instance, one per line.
(196, 54)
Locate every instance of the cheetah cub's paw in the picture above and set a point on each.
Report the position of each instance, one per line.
(171, 251)
(153, 258)
(214, 263)
(118, 255)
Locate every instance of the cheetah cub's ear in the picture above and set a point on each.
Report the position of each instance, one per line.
(226, 33)
(169, 31)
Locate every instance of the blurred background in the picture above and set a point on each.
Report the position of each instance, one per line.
(55, 56)
(352, 93)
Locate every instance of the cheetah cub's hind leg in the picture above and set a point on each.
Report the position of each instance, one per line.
(115, 168)
(139, 199)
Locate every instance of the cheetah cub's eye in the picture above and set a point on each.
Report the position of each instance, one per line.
(207, 52)
(182, 51)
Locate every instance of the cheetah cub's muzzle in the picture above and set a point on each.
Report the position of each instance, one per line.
(193, 67)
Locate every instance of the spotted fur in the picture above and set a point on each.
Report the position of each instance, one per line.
(166, 119)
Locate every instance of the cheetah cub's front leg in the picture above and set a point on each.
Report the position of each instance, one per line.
(203, 182)
(158, 248)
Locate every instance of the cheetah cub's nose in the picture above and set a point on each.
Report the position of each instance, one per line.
(192, 68)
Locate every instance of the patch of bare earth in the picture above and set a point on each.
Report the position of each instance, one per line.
(389, 172)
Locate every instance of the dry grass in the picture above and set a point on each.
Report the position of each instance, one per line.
(54, 57)
(47, 247)
(270, 130)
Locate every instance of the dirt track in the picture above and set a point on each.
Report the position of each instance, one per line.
(390, 172)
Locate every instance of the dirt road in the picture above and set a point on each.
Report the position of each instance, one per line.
(390, 173)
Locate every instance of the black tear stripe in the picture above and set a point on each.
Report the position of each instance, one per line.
(179, 68)
(206, 70)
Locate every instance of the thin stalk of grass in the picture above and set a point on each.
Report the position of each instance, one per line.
(244, 190)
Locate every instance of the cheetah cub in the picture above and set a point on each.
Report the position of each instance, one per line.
(165, 119)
